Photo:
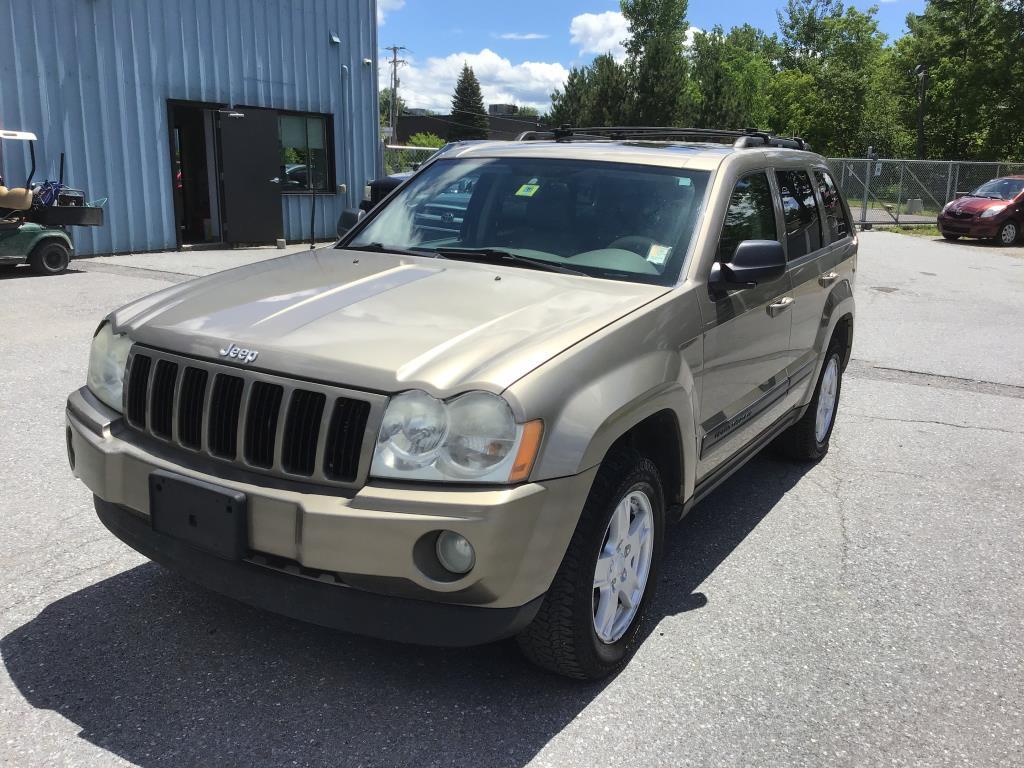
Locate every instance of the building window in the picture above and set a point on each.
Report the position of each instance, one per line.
(305, 159)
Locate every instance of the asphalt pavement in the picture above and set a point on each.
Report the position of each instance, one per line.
(864, 611)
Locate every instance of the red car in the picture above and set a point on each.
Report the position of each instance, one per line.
(994, 210)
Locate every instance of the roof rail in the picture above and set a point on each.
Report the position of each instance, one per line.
(748, 137)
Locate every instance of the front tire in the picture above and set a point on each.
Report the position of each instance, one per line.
(50, 257)
(1008, 233)
(950, 236)
(808, 439)
(589, 623)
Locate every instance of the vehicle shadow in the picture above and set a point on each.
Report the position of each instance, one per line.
(25, 271)
(162, 673)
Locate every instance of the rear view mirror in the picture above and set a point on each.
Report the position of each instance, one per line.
(753, 262)
(348, 219)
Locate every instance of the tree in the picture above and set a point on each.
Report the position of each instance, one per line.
(655, 60)
(970, 49)
(425, 139)
(527, 111)
(385, 106)
(834, 53)
(568, 106)
(469, 117)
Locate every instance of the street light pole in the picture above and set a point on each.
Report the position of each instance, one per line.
(921, 72)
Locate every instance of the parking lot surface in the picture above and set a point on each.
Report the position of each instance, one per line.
(862, 611)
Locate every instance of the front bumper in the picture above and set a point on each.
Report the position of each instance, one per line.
(357, 549)
(974, 227)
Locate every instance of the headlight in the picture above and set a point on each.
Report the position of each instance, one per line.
(107, 360)
(995, 210)
(471, 438)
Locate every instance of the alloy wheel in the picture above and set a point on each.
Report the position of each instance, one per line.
(623, 565)
(827, 395)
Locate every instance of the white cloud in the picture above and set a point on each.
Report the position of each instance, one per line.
(385, 7)
(606, 32)
(430, 85)
(600, 33)
(524, 35)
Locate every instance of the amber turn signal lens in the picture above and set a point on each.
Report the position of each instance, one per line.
(527, 454)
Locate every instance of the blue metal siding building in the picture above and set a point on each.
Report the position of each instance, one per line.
(107, 82)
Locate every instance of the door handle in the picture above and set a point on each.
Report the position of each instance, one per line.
(275, 180)
(780, 306)
(828, 279)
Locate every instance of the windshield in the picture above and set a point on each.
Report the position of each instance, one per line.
(1000, 189)
(607, 220)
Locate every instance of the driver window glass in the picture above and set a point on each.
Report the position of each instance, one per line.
(750, 216)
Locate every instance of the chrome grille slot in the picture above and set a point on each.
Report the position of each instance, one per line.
(135, 397)
(225, 406)
(190, 407)
(301, 432)
(344, 438)
(261, 423)
(298, 430)
(161, 400)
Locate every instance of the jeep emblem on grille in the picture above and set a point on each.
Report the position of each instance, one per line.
(240, 354)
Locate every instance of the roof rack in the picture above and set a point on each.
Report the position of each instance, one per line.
(748, 137)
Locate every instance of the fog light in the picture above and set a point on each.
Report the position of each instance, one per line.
(455, 552)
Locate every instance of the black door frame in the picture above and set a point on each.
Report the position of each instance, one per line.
(202, 105)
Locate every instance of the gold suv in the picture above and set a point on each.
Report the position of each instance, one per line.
(474, 415)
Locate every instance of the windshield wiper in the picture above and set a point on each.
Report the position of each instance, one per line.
(381, 248)
(495, 255)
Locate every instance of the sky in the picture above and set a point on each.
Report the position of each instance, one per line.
(523, 50)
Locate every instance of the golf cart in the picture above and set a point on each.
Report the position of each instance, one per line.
(32, 218)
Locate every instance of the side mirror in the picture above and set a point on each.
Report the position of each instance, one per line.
(754, 261)
(348, 219)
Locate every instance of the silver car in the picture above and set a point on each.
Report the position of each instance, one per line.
(474, 416)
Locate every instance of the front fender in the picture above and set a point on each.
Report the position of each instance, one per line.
(595, 392)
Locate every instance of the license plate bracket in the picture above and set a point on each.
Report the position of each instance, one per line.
(204, 515)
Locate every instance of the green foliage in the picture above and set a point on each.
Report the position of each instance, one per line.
(527, 111)
(425, 139)
(468, 108)
(656, 60)
(830, 76)
(594, 95)
(385, 106)
(972, 52)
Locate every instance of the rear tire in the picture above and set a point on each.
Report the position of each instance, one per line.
(563, 637)
(808, 439)
(1008, 233)
(50, 257)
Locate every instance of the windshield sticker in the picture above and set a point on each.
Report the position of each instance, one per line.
(658, 254)
(527, 190)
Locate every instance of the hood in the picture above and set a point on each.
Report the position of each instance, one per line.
(383, 322)
(975, 205)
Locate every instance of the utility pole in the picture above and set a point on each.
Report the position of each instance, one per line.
(395, 64)
(921, 72)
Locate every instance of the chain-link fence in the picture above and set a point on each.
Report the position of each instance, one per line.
(398, 159)
(909, 191)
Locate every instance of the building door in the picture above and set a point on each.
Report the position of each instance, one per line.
(250, 153)
(193, 173)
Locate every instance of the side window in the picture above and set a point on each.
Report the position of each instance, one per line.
(750, 216)
(803, 225)
(835, 214)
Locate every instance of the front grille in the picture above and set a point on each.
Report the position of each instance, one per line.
(961, 214)
(255, 420)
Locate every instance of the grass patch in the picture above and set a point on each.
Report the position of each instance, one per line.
(917, 230)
